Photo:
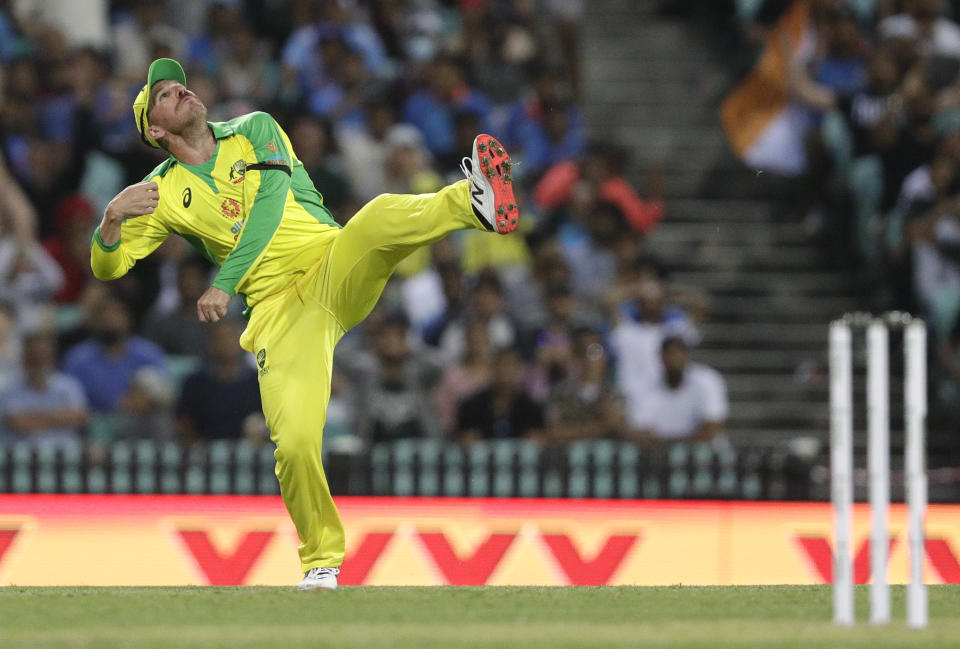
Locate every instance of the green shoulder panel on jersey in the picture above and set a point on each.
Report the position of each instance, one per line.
(161, 169)
(265, 135)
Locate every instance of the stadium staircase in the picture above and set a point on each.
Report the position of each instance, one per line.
(652, 82)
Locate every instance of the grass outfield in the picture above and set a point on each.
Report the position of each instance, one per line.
(453, 617)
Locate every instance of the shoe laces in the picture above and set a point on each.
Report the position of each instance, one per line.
(317, 572)
(466, 166)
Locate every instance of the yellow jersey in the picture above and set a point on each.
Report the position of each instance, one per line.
(251, 209)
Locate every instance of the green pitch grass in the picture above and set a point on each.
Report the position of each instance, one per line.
(551, 618)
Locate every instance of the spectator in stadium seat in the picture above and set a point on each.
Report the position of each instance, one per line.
(504, 410)
(10, 347)
(392, 385)
(432, 108)
(209, 45)
(688, 401)
(487, 307)
(70, 246)
(365, 148)
(545, 88)
(221, 400)
(313, 140)
(247, 71)
(589, 242)
(636, 341)
(44, 407)
(180, 332)
(602, 171)
(145, 411)
(451, 280)
(407, 169)
(106, 364)
(502, 47)
(321, 23)
(422, 293)
(585, 403)
(29, 278)
(552, 344)
(465, 379)
(136, 37)
(922, 28)
(870, 115)
(527, 300)
(933, 232)
(553, 136)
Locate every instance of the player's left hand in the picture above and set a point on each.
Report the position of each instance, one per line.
(212, 305)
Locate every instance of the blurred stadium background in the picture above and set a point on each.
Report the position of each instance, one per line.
(659, 324)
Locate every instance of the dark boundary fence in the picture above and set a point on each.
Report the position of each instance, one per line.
(422, 467)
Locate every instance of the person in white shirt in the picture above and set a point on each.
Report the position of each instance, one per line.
(687, 402)
(924, 28)
(637, 342)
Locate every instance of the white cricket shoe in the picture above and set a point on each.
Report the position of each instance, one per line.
(320, 578)
(491, 185)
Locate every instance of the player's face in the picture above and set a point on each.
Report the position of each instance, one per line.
(175, 107)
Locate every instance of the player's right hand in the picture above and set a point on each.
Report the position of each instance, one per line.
(135, 200)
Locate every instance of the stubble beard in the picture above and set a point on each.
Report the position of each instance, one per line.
(195, 122)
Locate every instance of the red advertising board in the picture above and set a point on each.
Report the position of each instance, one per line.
(174, 540)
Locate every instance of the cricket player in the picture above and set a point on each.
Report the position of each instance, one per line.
(236, 191)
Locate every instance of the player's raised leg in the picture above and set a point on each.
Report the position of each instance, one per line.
(392, 226)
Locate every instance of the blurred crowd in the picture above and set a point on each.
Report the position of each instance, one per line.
(874, 91)
(568, 330)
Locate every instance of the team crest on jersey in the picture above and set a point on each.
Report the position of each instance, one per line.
(230, 209)
(272, 146)
(262, 362)
(238, 172)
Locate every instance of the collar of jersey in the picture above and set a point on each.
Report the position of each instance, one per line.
(204, 171)
(221, 130)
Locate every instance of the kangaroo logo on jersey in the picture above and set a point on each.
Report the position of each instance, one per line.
(272, 146)
(262, 361)
(187, 197)
(238, 172)
(230, 209)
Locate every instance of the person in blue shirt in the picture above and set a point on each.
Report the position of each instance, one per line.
(433, 108)
(105, 364)
(43, 407)
(218, 401)
(546, 126)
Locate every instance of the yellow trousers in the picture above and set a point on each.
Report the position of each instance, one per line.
(293, 334)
